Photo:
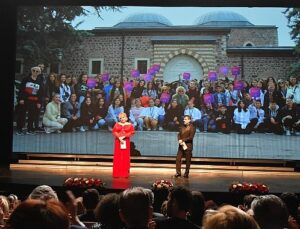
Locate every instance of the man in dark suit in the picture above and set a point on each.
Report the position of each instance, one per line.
(185, 148)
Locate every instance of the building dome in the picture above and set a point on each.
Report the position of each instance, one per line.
(144, 20)
(222, 18)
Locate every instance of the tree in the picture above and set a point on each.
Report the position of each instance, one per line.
(293, 16)
(43, 32)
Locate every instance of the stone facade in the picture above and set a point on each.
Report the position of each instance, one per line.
(108, 44)
(259, 37)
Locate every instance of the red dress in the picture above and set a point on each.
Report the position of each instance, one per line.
(121, 163)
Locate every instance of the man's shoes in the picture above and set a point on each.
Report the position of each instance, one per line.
(186, 175)
(30, 132)
(39, 130)
(177, 175)
(20, 132)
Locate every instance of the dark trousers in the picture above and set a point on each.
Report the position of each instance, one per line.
(188, 157)
(239, 129)
(172, 126)
(289, 123)
(223, 126)
(71, 124)
(273, 128)
(33, 115)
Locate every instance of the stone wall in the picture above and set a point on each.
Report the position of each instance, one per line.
(260, 37)
(139, 45)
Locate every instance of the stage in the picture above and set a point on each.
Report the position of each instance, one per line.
(213, 180)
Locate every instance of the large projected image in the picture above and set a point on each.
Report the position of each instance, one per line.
(229, 69)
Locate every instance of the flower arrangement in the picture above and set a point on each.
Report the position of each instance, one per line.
(83, 182)
(248, 188)
(162, 184)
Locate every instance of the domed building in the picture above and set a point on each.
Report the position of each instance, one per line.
(222, 18)
(218, 38)
(144, 20)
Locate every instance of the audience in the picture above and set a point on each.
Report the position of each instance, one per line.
(270, 212)
(133, 209)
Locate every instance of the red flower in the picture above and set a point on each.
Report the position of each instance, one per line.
(247, 188)
(83, 182)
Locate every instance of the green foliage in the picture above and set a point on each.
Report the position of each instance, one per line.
(44, 32)
(293, 16)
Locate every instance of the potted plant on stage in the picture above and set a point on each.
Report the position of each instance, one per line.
(160, 189)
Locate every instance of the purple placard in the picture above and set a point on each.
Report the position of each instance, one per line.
(135, 73)
(148, 77)
(224, 70)
(105, 77)
(212, 76)
(91, 82)
(156, 67)
(208, 98)
(235, 70)
(238, 85)
(128, 86)
(186, 75)
(254, 92)
(151, 71)
(165, 97)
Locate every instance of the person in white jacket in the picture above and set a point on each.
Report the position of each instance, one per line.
(150, 116)
(293, 91)
(52, 120)
(241, 118)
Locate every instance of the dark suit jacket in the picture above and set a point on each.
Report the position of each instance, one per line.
(186, 134)
(175, 223)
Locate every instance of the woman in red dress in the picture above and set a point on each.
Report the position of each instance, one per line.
(122, 131)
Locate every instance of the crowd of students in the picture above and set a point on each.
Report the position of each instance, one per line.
(71, 104)
(134, 208)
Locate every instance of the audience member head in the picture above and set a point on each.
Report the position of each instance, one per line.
(135, 207)
(247, 200)
(163, 209)
(43, 192)
(229, 217)
(179, 202)
(37, 214)
(4, 205)
(270, 212)
(291, 201)
(107, 211)
(90, 198)
(198, 208)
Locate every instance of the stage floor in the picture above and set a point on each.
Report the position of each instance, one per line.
(205, 180)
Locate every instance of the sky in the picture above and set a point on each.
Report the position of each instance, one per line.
(188, 16)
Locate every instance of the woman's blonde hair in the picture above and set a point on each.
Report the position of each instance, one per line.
(122, 114)
(229, 217)
(180, 88)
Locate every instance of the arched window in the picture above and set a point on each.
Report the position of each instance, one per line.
(248, 44)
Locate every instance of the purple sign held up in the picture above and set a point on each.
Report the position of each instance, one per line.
(208, 98)
(105, 77)
(91, 83)
(186, 75)
(135, 73)
(235, 70)
(165, 97)
(212, 76)
(224, 70)
(151, 71)
(128, 86)
(148, 77)
(254, 92)
(156, 67)
(238, 85)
